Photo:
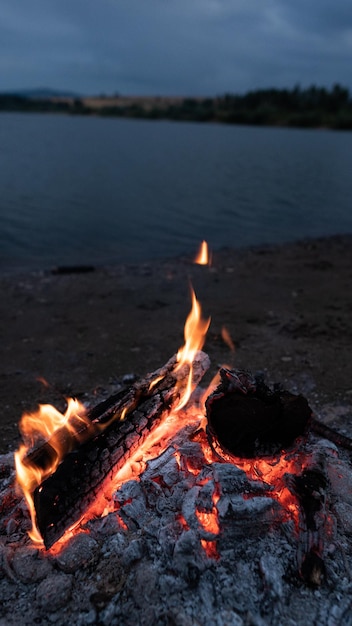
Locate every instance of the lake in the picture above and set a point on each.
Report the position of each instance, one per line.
(77, 190)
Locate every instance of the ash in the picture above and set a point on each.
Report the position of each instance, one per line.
(189, 543)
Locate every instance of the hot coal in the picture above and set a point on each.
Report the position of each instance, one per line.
(63, 497)
(156, 568)
(249, 419)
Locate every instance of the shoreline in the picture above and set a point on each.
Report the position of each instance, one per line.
(287, 308)
(41, 269)
(311, 107)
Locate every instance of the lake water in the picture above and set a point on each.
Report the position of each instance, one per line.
(95, 190)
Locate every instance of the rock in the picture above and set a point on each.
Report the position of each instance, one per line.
(29, 565)
(80, 552)
(135, 551)
(54, 592)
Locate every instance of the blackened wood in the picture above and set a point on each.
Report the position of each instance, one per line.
(43, 454)
(61, 499)
(310, 488)
(248, 419)
(330, 433)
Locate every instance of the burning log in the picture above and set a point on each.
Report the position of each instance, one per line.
(78, 430)
(249, 420)
(62, 498)
(246, 419)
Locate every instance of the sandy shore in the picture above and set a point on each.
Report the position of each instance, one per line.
(287, 308)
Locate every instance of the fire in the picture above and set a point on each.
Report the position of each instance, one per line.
(226, 337)
(270, 470)
(203, 257)
(60, 433)
(157, 441)
(195, 332)
(60, 430)
(209, 519)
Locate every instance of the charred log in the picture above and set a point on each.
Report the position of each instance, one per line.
(248, 419)
(61, 499)
(327, 432)
(78, 431)
(310, 488)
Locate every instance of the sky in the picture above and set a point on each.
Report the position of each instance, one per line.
(174, 47)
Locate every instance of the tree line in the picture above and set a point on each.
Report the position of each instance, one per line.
(312, 107)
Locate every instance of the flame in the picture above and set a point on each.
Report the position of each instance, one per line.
(226, 337)
(43, 381)
(59, 430)
(155, 443)
(195, 331)
(203, 257)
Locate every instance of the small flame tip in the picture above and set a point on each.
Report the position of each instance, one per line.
(203, 257)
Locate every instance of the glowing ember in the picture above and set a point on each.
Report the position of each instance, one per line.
(271, 470)
(203, 257)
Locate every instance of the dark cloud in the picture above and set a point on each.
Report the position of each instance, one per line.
(174, 46)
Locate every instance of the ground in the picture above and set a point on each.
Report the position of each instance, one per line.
(287, 309)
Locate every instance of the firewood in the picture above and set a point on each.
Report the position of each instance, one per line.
(310, 488)
(121, 403)
(333, 435)
(248, 419)
(62, 498)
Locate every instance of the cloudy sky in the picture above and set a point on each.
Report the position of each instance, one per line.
(179, 47)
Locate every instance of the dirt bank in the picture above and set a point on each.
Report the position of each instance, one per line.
(287, 308)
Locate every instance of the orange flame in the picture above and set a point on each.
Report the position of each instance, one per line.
(203, 257)
(61, 431)
(226, 337)
(195, 331)
(46, 424)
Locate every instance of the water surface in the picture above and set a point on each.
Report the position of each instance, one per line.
(95, 190)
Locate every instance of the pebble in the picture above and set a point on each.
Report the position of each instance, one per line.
(81, 551)
(134, 552)
(54, 592)
(30, 566)
(129, 378)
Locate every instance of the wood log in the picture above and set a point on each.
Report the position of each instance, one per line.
(62, 498)
(333, 435)
(248, 419)
(124, 402)
(310, 488)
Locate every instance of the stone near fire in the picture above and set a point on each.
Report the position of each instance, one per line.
(232, 479)
(80, 552)
(29, 565)
(54, 592)
(134, 552)
(254, 516)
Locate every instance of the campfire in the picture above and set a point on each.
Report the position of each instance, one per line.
(202, 471)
